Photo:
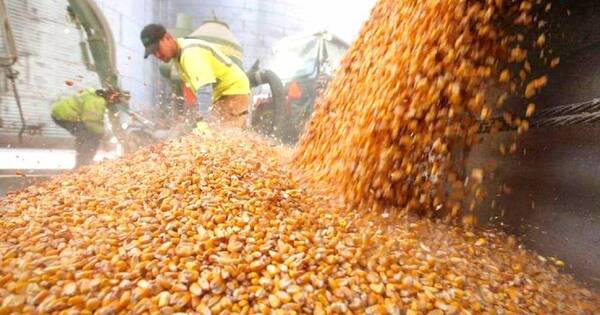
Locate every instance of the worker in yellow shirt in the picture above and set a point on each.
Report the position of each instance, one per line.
(82, 115)
(201, 64)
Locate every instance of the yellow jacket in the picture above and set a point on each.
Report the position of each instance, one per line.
(85, 106)
(201, 63)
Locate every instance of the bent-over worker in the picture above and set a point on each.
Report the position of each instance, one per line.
(82, 115)
(201, 64)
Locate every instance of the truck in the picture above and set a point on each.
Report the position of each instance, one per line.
(305, 63)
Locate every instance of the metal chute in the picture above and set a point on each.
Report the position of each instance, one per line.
(98, 40)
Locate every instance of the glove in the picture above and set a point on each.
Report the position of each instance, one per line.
(202, 129)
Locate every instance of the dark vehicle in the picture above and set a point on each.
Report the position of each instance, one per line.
(304, 63)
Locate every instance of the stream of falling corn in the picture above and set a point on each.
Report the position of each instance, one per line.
(411, 94)
(217, 223)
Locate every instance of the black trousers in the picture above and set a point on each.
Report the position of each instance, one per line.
(86, 142)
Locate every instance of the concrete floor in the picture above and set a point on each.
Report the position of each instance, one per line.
(35, 164)
(36, 159)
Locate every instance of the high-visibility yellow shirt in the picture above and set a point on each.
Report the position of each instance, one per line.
(85, 106)
(201, 63)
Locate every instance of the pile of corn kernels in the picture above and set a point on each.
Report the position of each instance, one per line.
(410, 95)
(216, 224)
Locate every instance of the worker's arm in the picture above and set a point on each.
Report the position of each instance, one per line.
(204, 99)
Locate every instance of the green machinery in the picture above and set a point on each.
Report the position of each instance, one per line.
(97, 40)
(100, 43)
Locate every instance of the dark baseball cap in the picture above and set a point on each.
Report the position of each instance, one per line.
(150, 36)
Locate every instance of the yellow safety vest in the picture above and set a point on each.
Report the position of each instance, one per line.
(201, 63)
(84, 107)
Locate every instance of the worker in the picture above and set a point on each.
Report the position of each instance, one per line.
(83, 116)
(201, 65)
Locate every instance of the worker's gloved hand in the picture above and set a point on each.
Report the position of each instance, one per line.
(202, 128)
(114, 96)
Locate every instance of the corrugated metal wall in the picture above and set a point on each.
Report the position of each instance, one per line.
(49, 54)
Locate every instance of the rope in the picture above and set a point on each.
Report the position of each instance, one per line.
(571, 109)
(567, 120)
(587, 112)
